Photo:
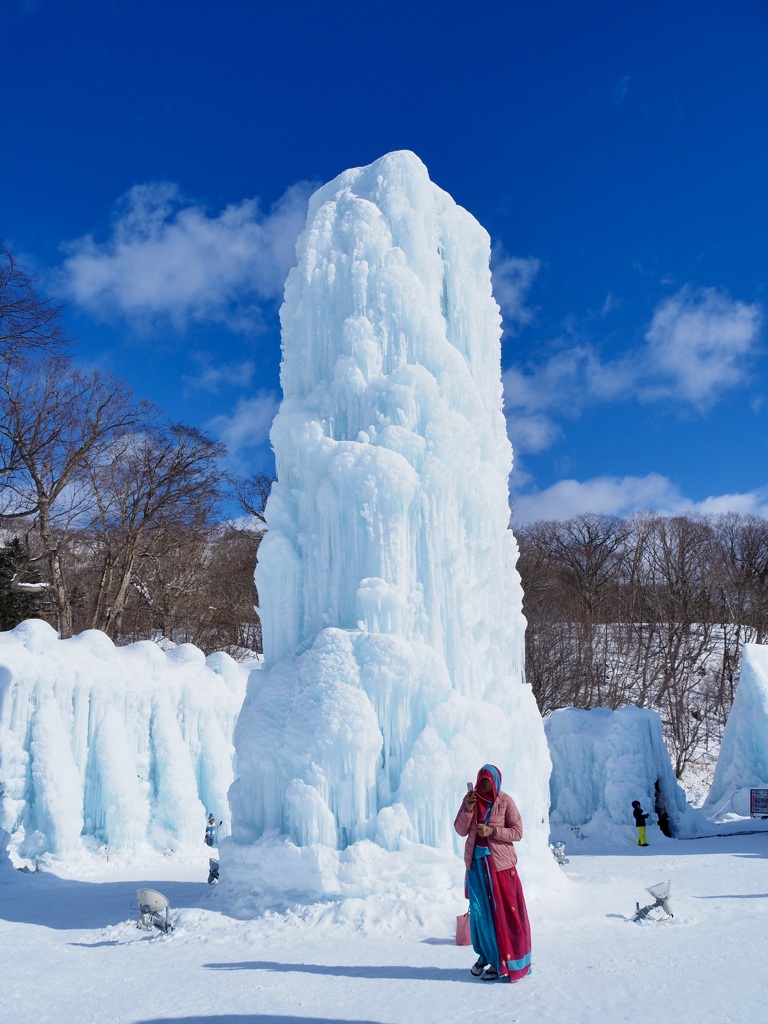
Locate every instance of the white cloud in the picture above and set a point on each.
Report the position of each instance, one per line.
(700, 343)
(248, 426)
(559, 388)
(567, 381)
(753, 503)
(512, 280)
(214, 378)
(532, 432)
(609, 495)
(168, 257)
(602, 495)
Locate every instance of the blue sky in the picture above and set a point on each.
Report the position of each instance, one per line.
(155, 159)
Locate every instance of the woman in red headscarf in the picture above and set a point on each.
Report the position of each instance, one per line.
(498, 919)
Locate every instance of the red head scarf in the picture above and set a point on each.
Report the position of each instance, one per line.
(484, 803)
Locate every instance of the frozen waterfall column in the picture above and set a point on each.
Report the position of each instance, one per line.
(498, 919)
(390, 604)
(641, 817)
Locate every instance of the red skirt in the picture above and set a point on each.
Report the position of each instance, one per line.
(506, 903)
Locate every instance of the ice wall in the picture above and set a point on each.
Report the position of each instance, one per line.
(389, 597)
(121, 746)
(602, 760)
(743, 760)
(4, 859)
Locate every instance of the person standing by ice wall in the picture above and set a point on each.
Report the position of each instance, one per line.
(641, 817)
(498, 917)
(211, 831)
(390, 601)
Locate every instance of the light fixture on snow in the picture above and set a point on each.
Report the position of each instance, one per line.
(152, 904)
(660, 893)
(558, 852)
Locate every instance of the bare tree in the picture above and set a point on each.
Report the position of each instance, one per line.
(169, 596)
(196, 586)
(549, 650)
(744, 542)
(148, 487)
(572, 573)
(27, 322)
(233, 623)
(252, 492)
(29, 327)
(55, 418)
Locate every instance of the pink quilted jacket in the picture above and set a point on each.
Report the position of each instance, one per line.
(507, 829)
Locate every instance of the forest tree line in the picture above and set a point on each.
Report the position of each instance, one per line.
(649, 610)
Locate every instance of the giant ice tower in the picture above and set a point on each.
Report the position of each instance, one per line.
(390, 602)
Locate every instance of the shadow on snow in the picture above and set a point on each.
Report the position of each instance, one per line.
(63, 903)
(256, 1018)
(393, 972)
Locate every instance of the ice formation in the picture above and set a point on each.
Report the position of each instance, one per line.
(390, 602)
(602, 760)
(743, 760)
(112, 746)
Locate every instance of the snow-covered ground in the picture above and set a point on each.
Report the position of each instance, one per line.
(72, 952)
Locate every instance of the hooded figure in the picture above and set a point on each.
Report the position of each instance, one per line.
(210, 831)
(501, 934)
(640, 817)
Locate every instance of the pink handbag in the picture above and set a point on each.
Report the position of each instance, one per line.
(463, 937)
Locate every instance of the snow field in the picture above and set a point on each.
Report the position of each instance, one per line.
(72, 951)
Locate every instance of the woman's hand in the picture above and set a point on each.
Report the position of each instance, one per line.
(470, 800)
(485, 830)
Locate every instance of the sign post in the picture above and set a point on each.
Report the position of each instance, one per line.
(758, 803)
